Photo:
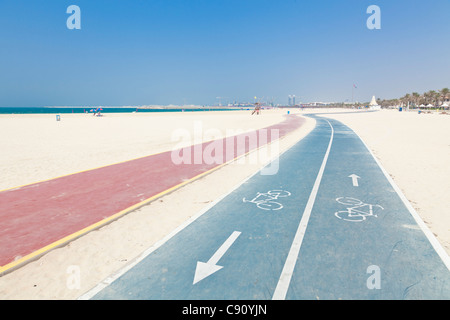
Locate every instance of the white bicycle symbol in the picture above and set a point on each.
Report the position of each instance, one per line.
(265, 200)
(358, 210)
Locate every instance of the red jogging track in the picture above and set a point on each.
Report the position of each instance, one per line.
(38, 217)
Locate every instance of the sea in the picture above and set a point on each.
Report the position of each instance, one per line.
(58, 110)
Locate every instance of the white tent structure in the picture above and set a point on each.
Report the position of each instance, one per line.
(373, 104)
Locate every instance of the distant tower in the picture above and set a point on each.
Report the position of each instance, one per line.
(290, 100)
(293, 100)
(373, 102)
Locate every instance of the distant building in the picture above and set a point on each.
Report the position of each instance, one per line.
(373, 104)
(291, 100)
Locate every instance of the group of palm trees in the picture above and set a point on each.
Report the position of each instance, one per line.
(432, 98)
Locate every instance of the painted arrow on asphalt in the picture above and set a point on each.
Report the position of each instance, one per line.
(204, 270)
(354, 179)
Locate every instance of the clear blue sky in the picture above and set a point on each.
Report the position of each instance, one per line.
(140, 52)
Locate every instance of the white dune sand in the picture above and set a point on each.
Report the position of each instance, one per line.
(413, 148)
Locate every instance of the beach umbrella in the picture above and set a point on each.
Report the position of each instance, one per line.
(429, 105)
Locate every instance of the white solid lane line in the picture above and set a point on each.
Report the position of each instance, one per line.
(289, 265)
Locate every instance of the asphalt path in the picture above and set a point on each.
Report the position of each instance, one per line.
(330, 224)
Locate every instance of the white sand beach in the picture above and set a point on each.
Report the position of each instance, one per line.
(413, 148)
(37, 147)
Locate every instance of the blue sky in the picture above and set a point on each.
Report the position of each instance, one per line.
(141, 52)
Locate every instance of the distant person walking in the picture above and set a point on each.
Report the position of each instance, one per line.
(257, 109)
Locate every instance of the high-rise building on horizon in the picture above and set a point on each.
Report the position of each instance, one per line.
(291, 100)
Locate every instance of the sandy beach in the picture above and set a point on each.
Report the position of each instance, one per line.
(37, 147)
(413, 148)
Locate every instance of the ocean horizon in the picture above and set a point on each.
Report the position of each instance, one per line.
(65, 110)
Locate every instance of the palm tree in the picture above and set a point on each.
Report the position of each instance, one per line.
(444, 94)
(407, 98)
(433, 97)
(415, 98)
(430, 97)
(395, 102)
(436, 96)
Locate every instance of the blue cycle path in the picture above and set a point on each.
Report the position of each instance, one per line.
(361, 240)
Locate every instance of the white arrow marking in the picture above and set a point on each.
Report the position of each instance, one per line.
(354, 179)
(204, 270)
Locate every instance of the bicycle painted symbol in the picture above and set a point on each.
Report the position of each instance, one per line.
(266, 201)
(358, 210)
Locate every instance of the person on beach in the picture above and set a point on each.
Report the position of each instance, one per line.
(257, 109)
